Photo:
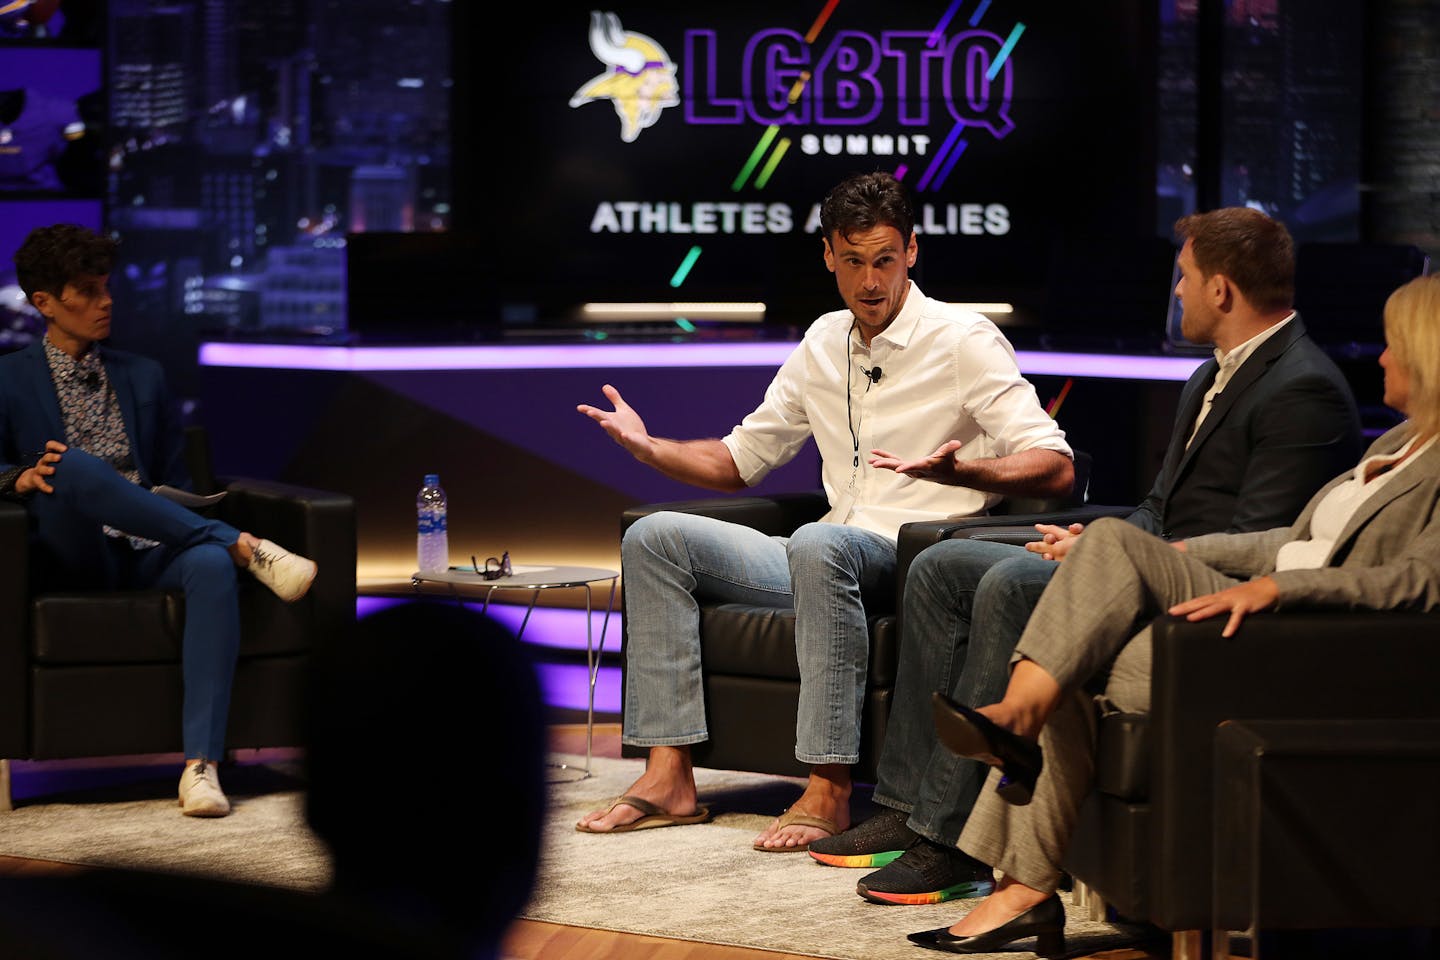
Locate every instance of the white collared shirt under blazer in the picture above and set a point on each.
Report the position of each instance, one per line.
(947, 374)
(1386, 556)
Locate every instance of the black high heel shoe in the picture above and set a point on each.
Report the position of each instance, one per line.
(1045, 922)
(969, 733)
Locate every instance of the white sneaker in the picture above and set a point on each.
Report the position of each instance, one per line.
(287, 574)
(200, 793)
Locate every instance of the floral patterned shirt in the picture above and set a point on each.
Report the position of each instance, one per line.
(91, 413)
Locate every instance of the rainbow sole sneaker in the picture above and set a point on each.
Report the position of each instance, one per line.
(875, 842)
(927, 873)
(881, 859)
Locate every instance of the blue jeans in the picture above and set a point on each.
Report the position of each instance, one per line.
(73, 550)
(824, 571)
(966, 603)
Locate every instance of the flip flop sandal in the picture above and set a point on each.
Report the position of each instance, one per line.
(804, 820)
(652, 816)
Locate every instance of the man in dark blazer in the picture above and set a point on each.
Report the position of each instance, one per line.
(86, 432)
(1259, 429)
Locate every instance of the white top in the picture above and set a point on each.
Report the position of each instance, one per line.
(1331, 514)
(947, 374)
(1229, 363)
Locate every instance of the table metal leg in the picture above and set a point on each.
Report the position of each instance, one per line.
(593, 654)
(593, 651)
(593, 663)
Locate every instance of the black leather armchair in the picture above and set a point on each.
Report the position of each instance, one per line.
(1143, 842)
(86, 674)
(751, 676)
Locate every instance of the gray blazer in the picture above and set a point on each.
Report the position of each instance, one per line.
(1387, 557)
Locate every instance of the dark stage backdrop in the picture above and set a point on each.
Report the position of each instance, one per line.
(677, 153)
(52, 139)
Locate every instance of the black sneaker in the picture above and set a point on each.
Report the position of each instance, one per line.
(870, 843)
(928, 873)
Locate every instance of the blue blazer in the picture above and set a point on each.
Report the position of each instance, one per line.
(30, 412)
(1284, 425)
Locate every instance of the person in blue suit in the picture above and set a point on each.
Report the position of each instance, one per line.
(86, 432)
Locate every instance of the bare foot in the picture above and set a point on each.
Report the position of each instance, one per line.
(1002, 714)
(1031, 696)
(1009, 900)
(668, 782)
(827, 796)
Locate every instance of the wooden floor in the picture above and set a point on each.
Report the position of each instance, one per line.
(530, 940)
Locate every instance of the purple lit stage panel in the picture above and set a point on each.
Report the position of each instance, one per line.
(564, 685)
(526, 472)
(592, 356)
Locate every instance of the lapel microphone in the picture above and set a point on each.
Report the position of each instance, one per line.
(873, 373)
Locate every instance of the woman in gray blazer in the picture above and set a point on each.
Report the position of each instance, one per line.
(1369, 539)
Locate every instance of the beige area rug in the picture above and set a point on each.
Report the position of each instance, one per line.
(138, 825)
(701, 883)
(704, 882)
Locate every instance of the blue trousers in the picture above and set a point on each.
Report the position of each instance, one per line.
(74, 551)
(966, 603)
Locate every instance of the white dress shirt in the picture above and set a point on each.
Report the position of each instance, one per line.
(1331, 514)
(946, 374)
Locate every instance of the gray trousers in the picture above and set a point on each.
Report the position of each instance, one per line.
(1090, 632)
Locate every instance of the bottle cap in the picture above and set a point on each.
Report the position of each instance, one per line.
(432, 479)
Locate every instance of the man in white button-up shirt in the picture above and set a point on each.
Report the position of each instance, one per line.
(919, 412)
(1258, 430)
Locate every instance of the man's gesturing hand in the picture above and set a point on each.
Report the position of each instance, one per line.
(939, 466)
(623, 424)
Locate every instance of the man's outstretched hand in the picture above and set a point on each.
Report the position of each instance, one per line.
(939, 466)
(623, 424)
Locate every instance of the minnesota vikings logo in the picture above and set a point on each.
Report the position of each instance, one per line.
(639, 81)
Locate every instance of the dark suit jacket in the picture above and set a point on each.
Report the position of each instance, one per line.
(30, 412)
(1284, 425)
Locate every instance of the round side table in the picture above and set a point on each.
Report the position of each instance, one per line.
(468, 584)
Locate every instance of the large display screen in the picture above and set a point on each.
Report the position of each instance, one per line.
(52, 136)
(679, 153)
(51, 121)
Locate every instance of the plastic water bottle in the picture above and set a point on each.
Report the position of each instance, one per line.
(432, 546)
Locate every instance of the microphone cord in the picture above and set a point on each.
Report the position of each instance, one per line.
(849, 415)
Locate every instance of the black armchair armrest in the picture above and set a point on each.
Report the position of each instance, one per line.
(14, 590)
(1289, 665)
(1017, 529)
(319, 524)
(776, 515)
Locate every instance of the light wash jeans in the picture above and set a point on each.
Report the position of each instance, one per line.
(966, 604)
(825, 571)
